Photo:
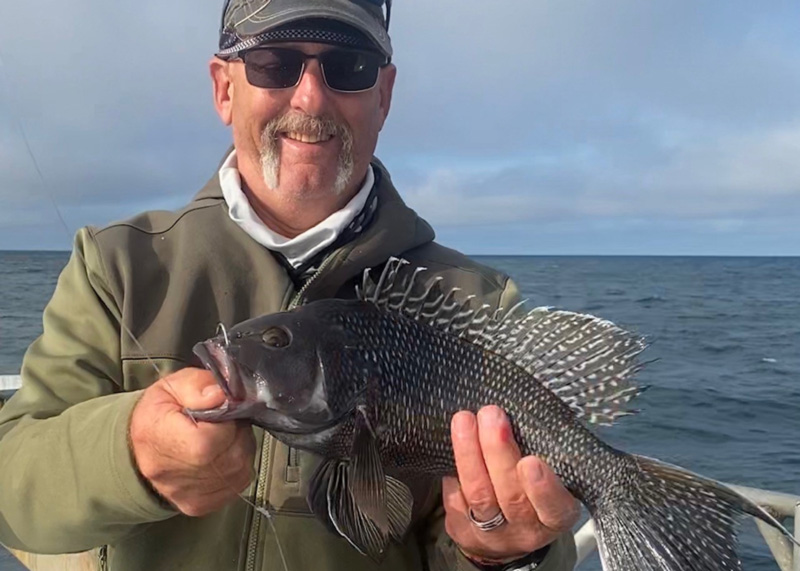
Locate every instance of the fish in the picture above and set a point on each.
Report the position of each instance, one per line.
(370, 384)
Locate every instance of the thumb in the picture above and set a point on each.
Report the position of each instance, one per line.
(194, 388)
(555, 507)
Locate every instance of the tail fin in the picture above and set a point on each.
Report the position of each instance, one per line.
(672, 520)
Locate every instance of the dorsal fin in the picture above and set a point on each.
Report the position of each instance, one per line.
(586, 361)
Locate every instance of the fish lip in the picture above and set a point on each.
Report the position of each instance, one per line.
(212, 355)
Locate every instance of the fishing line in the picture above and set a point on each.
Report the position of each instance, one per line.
(49, 195)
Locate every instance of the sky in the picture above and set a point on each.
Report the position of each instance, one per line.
(544, 127)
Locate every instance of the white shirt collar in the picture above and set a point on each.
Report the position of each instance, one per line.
(302, 247)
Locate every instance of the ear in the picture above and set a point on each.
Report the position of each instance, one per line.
(386, 87)
(222, 84)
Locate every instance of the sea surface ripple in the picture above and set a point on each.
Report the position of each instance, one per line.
(725, 339)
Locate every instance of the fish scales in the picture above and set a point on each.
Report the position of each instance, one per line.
(427, 375)
(371, 385)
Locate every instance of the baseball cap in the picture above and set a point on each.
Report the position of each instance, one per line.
(248, 23)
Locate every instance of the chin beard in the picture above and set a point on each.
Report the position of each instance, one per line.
(319, 126)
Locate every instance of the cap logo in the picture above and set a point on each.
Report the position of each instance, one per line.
(262, 4)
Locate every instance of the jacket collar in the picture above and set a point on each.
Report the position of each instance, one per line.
(395, 229)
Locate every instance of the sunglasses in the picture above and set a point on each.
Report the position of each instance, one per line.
(344, 70)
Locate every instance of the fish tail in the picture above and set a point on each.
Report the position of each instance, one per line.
(668, 519)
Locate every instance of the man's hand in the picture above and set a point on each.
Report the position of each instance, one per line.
(197, 467)
(492, 476)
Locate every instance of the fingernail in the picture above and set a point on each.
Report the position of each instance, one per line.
(490, 416)
(462, 423)
(211, 390)
(533, 471)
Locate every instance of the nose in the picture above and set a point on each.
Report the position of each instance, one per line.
(311, 95)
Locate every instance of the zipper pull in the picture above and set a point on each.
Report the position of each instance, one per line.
(292, 473)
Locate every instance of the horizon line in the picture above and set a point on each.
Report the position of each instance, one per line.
(505, 255)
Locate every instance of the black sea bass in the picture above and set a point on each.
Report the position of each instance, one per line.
(371, 384)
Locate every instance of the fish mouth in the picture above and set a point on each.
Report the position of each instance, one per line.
(216, 359)
(230, 376)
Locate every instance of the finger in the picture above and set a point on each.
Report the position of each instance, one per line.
(202, 444)
(227, 473)
(233, 470)
(198, 504)
(476, 485)
(237, 459)
(159, 429)
(456, 523)
(452, 497)
(194, 388)
(229, 481)
(501, 455)
(555, 507)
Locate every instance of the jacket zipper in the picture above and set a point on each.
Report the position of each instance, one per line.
(267, 446)
(102, 558)
(260, 500)
(298, 298)
(292, 473)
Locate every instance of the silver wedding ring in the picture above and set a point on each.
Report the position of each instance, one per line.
(489, 525)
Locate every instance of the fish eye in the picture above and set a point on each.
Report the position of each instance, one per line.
(276, 337)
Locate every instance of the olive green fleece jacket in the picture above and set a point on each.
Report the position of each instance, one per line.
(141, 293)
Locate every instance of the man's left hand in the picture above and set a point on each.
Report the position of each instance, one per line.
(493, 476)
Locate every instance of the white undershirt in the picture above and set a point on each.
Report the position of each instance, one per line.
(302, 247)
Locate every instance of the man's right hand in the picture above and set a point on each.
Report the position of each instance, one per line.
(197, 467)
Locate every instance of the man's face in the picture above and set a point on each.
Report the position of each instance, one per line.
(303, 141)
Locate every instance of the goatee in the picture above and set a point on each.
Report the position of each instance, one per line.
(320, 127)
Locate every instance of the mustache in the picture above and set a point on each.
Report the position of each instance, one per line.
(318, 126)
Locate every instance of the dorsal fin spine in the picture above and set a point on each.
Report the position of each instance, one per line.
(423, 297)
(411, 282)
(587, 362)
(379, 287)
(463, 317)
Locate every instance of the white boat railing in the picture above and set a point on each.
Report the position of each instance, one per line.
(9, 384)
(781, 506)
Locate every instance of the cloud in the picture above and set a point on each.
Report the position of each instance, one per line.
(113, 98)
(756, 175)
(547, 75)
(504, 113)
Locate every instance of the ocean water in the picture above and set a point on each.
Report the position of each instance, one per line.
(725, 332)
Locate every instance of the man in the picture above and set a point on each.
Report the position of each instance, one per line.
(96, 448)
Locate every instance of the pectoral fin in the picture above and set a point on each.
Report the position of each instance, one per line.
(332, 501)
(399, 503)
(366, 478)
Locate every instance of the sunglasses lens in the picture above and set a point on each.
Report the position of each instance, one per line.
(348, 70)
(273, 68)
(344, 70)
